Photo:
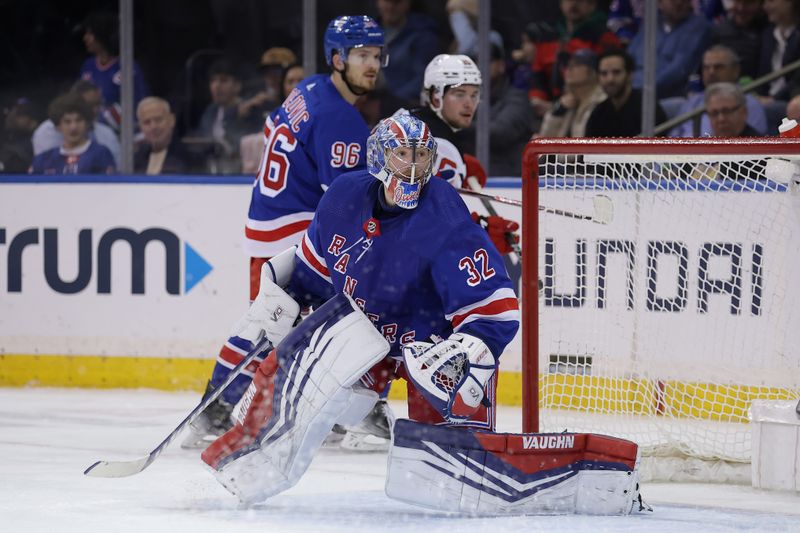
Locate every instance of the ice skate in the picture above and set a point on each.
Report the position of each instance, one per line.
(374, 433)
(210, 424)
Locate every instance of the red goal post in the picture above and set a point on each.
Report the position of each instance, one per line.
(668, 314)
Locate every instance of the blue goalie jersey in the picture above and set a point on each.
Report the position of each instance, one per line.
(312, 138)
(416, 273)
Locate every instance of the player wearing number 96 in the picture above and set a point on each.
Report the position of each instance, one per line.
(313, 137)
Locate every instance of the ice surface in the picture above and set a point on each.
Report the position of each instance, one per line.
(49, 436)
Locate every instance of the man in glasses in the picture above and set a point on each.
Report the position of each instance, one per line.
(727, 111)
(720, 63)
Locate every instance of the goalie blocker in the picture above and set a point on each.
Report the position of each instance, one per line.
(485, 473)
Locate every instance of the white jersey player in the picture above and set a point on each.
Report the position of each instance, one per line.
(451, 94)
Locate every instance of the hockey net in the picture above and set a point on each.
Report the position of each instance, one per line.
(663, 320)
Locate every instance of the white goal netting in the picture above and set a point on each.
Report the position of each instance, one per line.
(663, 324)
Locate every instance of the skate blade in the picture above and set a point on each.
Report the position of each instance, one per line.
(195, 441)
(363, 442)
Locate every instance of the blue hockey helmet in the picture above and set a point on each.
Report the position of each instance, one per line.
(401, 152)
(346, 32)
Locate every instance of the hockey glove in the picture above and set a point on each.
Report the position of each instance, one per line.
(473, 169)
(451, 374)
(501, 231)
(272, 314)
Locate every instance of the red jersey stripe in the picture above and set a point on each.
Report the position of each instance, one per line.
(313, 261)
(277, 234)
(492, 308)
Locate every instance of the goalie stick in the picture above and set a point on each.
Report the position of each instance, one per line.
(602, 212)
(129, 468)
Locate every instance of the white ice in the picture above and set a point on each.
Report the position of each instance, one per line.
(49, 436)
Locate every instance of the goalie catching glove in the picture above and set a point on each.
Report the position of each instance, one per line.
(272, 314)
(451, 374)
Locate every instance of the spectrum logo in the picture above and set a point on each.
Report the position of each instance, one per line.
(195, 267)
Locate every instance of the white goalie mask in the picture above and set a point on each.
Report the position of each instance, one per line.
(445, 71)
(400, 153)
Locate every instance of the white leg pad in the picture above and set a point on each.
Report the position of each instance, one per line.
(484, 473)
(312, 390)
(360, 404)
(271, 470)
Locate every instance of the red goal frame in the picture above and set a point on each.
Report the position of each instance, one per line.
(530, 213)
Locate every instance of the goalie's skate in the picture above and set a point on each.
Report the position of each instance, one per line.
(214, 421)
(374, 433)
(334, 438)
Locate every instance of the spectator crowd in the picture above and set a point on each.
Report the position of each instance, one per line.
(577, 74)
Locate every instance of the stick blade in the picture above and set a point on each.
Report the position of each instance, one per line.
(603, 209)
(118, 468)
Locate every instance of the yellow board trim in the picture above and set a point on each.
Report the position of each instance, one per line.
(103, 372)
(676, 399)
(585, 393)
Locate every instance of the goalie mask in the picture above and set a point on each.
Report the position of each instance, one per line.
(400, 153)
(445, 71)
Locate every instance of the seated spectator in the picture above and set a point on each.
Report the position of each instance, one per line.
(78, 154)
(582, 93)
(681, 37)
(273, 65)
(726, 107)
(581, 26)
(512, 118)
(522, 59)
(101, 38)
(740, 31)
(224, 121)
(46, 137)
(624, 17)
(619, 115)
(780, 45)
(251, 146)
(725, 104)
(411, 42)
(161, 152)
(16, 151)
(720, 64)
(292, 75)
